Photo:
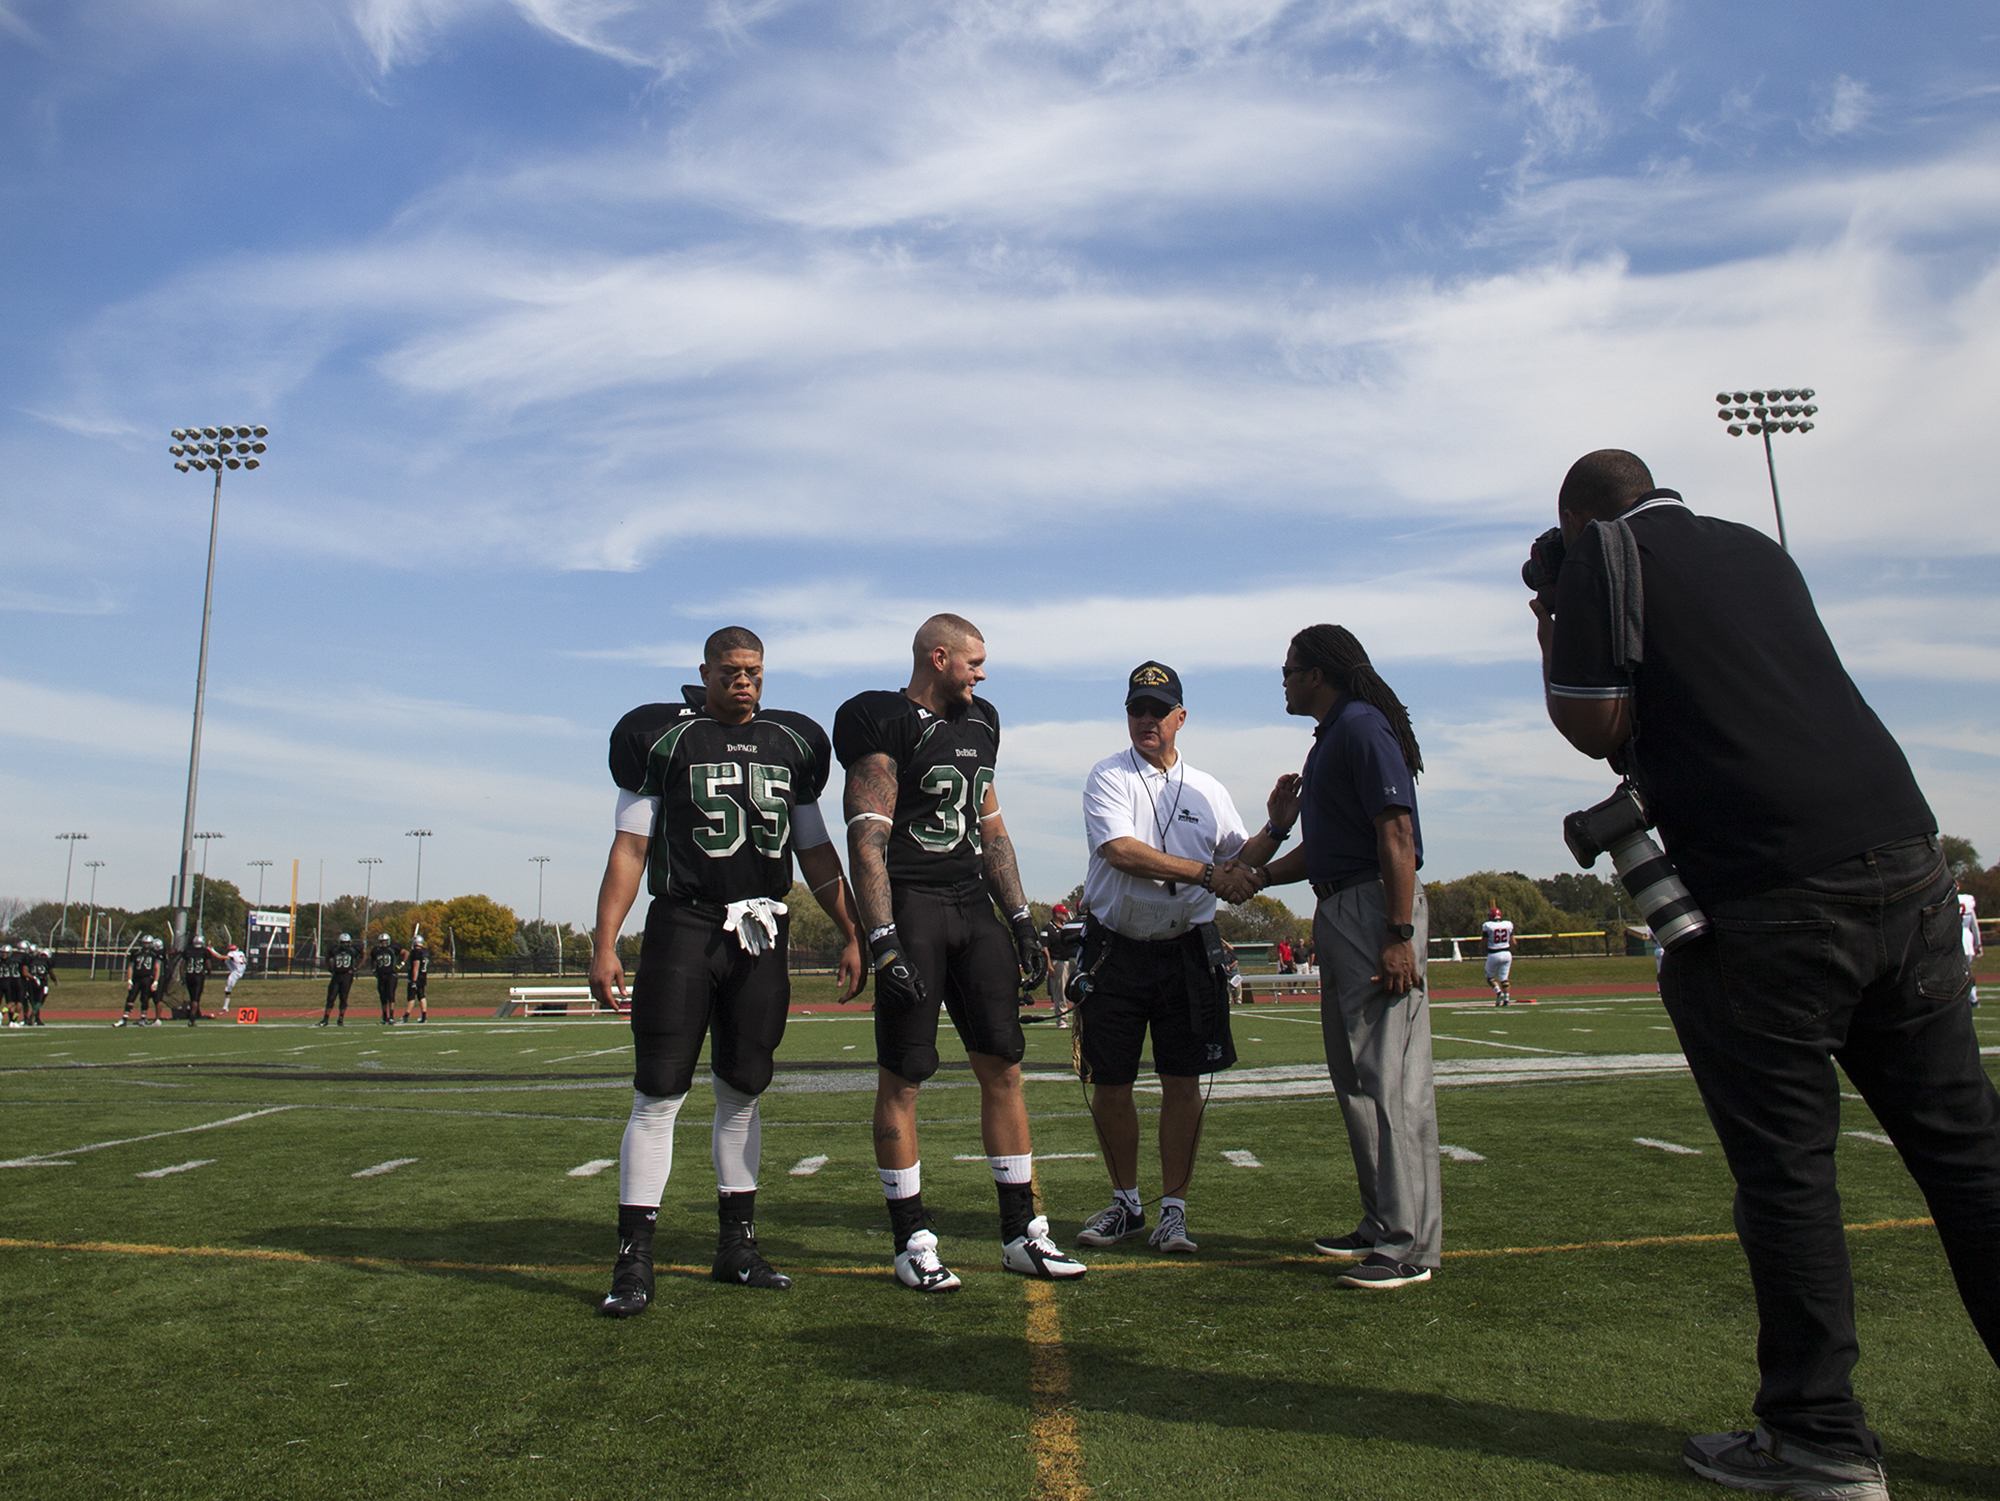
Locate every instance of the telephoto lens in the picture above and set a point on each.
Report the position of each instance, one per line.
(1619, 824)
(1544, 566)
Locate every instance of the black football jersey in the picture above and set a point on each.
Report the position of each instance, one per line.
(145, 963)
(944, 767)
(724, 830)
(195, 962)
(36, 968)
(343, 958)
(384, 958)
(419, 963)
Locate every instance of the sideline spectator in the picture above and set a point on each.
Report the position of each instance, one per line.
(1968, 914)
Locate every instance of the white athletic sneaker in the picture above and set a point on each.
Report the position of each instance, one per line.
(917, 1266)
(1035, 1255)
(1172, 1232)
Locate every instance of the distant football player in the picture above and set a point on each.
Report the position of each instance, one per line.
(142, 980)
(237, 962)
(385, 961)
(340, 963)
(1968, 917)
(196, 960)
(417, 975)
(37, 976)
(10, 984)
(715, 796)
(1497, 933)
(930, 855)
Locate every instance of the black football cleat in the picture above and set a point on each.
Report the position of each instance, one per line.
(738, 1263)
(631, 1287)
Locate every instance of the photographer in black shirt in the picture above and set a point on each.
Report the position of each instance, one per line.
(1832, 931)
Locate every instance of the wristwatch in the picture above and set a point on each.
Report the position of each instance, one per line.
(1404, 931)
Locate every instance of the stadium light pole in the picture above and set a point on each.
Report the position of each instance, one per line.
(1768, 411)
(368, 892)
(62, 923)
(205, 448)
(201, 905)
(262, 866)
(420, 835)
(90, 923)
(541, 864)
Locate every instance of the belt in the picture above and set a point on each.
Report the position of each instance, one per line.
(1325, 889)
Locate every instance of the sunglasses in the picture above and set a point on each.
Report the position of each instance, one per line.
(1148, 708)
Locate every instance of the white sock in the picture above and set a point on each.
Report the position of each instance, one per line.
(901, 1182)
(1129, 1197)
(1017, 1169)
(738, 1144)
(646, 1156)
(1168, 1201)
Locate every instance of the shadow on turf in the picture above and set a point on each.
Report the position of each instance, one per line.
(482, 1246)
(1112, 1381)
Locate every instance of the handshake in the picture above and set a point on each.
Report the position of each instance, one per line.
(1236, 882)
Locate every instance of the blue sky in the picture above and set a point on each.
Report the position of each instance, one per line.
(1128, 330)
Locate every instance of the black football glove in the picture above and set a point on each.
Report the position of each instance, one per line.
(897, 983)
(1028, 947)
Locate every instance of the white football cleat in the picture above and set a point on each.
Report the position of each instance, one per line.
(1035, 1255)
(917, 1266)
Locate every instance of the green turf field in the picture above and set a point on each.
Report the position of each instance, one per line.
(264, 1322)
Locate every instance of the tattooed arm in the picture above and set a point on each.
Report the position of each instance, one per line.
(871, 789)
(1003, 876)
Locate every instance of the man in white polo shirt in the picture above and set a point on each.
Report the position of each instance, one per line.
(1161, 836)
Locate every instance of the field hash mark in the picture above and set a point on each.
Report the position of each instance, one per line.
(1666, 1146)
(383, 1167)
(593, 1167)
(1241, 1159)
(1459, 1154)
(178, 1167)
(807, 1166)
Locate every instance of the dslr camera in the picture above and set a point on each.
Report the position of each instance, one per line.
(1544, 566)
(1619, 824)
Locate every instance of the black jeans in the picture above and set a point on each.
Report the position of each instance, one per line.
(1862, 962)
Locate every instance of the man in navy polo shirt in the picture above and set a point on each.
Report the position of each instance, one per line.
(1362, 850)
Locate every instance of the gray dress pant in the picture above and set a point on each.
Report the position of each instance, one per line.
(1378, 1051)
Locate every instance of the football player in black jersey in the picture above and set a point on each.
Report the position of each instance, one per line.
(716, 794)
(384, 959)
(930, 854)
(340, 963)
(417, 971)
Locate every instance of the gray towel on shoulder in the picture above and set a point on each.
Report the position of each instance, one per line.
(1627, 591)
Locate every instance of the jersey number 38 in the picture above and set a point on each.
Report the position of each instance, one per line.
(767, 825)
(948, 826)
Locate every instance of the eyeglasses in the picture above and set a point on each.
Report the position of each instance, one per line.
(1147, 708)
(1286, 672)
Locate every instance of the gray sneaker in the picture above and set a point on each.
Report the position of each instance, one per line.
(1172, 1232)
(1109, 1226)
(1766, 1461)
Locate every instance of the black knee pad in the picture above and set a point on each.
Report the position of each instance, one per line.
(659, 1077)
(917, 1063)
(752, 1081)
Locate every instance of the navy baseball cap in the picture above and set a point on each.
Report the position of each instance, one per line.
(1154, 680)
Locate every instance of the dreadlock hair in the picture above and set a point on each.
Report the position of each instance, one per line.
(1340, 658)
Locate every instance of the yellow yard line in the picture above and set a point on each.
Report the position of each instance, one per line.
(594, 1269)
(1055, 1440)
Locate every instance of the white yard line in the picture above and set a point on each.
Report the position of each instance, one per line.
(1667, 1146)
(593, 1167)
(384, 1167)
(1241, 1159)
(1039, 1157)
(178, 1167)
(1517, 1047)
(807, 1166)
(126, 1141)
(1869, 1136)
(1459, 1154)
